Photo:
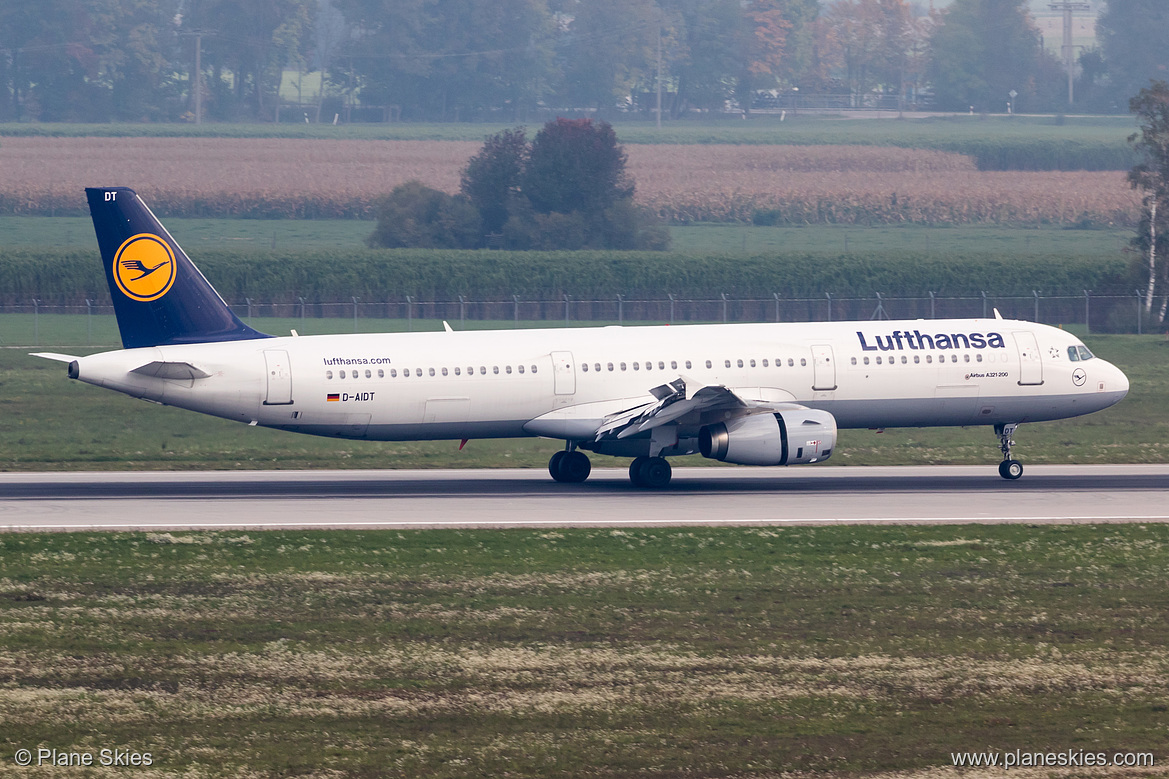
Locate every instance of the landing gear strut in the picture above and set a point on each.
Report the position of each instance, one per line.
(569, 466)
(651, 472)
(1009, 468)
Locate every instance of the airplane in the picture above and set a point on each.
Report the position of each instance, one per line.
(753, 394)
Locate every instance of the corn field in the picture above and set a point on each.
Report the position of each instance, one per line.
(299, 178)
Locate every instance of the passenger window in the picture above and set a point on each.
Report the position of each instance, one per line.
(866, 360)
(752, 363)
(482, 370)
(953, 358)
(662, 365)
(854, 361)
(457, 371)
(929, 358)
(610, 367)
(328, 374)
(916, 359)
(634, 366)
(380, 373)
(495, 369)
(966, 357)
(444, 373)
(978, 357)
(904, 359)
(507, 370)
(708, 365)
(740, 363)
(687, 365)
(597, 367)
(393, 373)
(533, 369)
(520, 368)
(727, 363)
(790, 362)
(432, 371)
(803, 362)
(341, 374)
(584, 366)
(765, 361)
(470, 370)
(878, 359)
(368, 374)
(622, 366)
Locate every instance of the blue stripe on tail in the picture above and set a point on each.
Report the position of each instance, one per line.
(160, 297)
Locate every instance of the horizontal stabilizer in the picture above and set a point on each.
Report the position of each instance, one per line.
(171, 370)
(54, 356)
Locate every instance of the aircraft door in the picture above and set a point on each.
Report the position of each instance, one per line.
(1030, 360)
(563, 373)
(824, 378)
(279, 375)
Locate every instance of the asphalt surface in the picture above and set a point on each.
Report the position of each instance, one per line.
(513, 498)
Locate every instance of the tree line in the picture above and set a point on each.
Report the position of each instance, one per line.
(448, 60)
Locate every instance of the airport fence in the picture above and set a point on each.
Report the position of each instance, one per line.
(36, 324)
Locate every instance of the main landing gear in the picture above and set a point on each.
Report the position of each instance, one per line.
(570, 466)
(1009, 468)
(651, 472)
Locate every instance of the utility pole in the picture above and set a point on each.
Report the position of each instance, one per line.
(1069, 51)
(659, 69)
(199, 77)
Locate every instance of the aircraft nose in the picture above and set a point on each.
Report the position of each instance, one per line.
(1120, 382)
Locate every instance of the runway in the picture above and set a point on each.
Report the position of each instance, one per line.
(519, 498)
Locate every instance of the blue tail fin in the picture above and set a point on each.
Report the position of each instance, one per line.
(159, 296)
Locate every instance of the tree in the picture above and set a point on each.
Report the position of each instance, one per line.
(450, 59)
(606, 49)
(417, 216)
(252, 41)
(1151, 176)
(575, 165)
(491, 180)
(567, 189)
(984, 49)
(1132, 38)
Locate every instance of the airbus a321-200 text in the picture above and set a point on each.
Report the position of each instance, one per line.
(754, 394)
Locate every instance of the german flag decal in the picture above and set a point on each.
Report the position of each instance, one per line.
(333, 396)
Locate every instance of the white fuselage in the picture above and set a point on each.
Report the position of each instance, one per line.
(562, 383)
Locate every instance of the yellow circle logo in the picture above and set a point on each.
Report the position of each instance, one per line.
(144, 267)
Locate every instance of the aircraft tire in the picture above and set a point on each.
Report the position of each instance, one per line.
(656, 472)
(635, 471)
(1010, 469)
(573, 468)
(554, 464)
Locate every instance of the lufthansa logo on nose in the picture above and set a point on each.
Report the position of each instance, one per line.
(1079, 376)
(144, 267)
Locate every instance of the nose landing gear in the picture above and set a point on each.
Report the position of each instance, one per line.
(1009, 468)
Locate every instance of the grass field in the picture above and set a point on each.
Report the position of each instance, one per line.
(697, 652)
(48, 422)
(698, 239)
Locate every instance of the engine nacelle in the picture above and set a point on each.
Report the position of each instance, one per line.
(788, 437)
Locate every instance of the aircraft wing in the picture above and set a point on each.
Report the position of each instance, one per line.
(682, 400)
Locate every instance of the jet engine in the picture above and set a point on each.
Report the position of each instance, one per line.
(788, 437)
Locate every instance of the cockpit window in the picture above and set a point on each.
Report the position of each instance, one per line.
(1073, 354)
(1084, 353)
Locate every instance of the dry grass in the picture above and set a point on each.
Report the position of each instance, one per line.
(318, 178)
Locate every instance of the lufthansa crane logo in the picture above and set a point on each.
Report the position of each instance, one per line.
(144, 267)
